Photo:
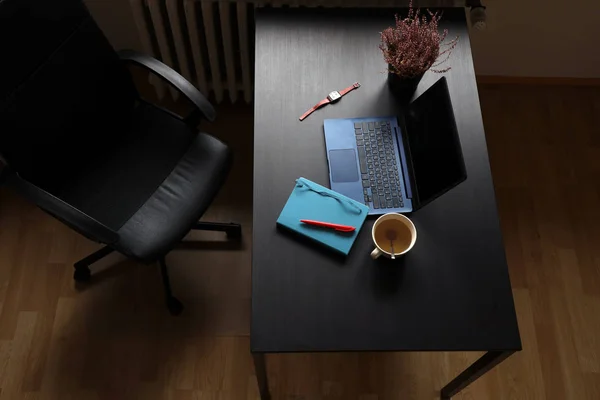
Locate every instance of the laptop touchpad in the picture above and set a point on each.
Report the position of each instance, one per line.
(343, 165)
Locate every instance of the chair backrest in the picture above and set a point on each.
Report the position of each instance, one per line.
(63, 91)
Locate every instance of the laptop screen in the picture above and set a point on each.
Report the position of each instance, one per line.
(434, 145)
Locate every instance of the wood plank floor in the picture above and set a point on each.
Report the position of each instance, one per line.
(113, 339)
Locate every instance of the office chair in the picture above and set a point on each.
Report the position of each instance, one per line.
(79, 142)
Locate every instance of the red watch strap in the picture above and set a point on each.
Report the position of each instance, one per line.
(349, 88)
(327, 101)
(315, 107)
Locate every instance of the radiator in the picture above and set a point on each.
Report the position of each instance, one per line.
(210, 42)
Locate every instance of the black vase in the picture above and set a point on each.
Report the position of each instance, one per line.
(403, 88)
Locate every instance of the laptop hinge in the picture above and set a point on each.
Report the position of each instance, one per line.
(404, 160)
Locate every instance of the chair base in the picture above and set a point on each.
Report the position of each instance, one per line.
(173, 304)
(82, 267)
(82, 271)
(233, 231)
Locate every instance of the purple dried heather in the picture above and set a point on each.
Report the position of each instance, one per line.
(415, 44)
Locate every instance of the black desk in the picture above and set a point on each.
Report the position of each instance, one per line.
(451, 292)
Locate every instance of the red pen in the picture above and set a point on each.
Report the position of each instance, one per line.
(337, 227)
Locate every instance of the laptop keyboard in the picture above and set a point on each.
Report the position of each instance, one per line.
(378, 165)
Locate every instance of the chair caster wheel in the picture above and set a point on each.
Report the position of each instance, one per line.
(235, 233)
(82, 274)
(175, 307)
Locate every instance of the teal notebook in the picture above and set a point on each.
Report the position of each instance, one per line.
(310, 200)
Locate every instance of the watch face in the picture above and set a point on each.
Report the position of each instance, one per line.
(333, 96)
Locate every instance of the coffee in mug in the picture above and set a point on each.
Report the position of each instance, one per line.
(393, 235)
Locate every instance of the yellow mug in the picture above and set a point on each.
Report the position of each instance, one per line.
(393, 231)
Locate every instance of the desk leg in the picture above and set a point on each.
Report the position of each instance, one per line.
(488, 361)
(260, 368)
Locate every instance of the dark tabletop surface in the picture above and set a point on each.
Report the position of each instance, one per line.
(452, 290)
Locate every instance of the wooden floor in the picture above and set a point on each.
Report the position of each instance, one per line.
(113, 339)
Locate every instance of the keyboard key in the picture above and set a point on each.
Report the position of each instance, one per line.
(382, 201)
(370, 199)
(377, 124)
(357, 125)
(396, 202)
(375, 202)
(365, 191)
(366, 183)
(365, 127)
(389, 204)
(401, 203)
(371, 126)
(387, 191)
(367, 200)
(360, 142)
(394, 193)
(362, 159)
(365, 176)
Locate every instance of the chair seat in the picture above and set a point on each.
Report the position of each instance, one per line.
(178, 203)
(151, 186)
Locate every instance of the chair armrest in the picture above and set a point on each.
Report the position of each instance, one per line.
(68, 214)
(171, 76)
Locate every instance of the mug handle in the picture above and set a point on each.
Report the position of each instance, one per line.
(376, 253)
